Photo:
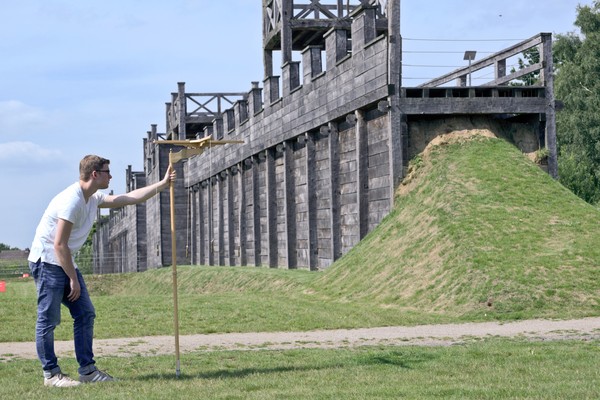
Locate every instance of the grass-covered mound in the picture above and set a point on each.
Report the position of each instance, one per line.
(477, 229)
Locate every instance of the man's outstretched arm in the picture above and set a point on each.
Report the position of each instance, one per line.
(139, 195)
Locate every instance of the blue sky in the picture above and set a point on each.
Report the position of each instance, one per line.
(90, 76)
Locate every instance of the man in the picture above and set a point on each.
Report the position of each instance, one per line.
(62, 231)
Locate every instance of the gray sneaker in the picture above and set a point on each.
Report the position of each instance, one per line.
(61, 380)
(96, 376)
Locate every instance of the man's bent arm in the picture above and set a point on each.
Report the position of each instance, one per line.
(63, 253)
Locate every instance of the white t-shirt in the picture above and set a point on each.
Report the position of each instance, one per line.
(69, 205)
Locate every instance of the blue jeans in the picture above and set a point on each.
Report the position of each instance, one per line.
(53, 287)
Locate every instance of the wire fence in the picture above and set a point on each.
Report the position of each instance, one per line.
(427, 58)
(14, 270)
(87, 264)
(110, 263)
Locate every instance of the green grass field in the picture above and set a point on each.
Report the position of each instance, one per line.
(492, 369)
(478, 233)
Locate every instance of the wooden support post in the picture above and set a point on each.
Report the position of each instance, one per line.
(220, 222)
(397, 121)
(167, 118)
(271, 193)
(500, 70)
(362, 178)
(210, 216)
(230, 220)
(243, 238)
(182, 101)
(290, 205)
(311, 198)
(192, 225)
(256, 212)
(548, 80)
(268, 62)
(202, 228)
(287, 12)
(334, 187)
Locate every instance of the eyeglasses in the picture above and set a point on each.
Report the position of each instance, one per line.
(103, 170)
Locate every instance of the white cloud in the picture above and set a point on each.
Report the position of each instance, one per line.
(18, 119)
(26, 155)
(34, 174)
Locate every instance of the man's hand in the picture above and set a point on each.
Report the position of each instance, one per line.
(170, 175)
(75, 289)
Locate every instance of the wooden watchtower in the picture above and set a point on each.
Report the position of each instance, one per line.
(289, 26)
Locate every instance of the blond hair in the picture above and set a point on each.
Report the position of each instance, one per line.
(89, 164)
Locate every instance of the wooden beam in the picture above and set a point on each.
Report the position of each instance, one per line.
(515, 75)
(479, 105)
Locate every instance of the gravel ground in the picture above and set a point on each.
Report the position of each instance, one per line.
(422, 335)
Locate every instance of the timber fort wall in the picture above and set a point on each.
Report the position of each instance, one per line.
(325, 146)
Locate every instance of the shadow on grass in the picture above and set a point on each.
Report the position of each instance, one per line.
(394, 359)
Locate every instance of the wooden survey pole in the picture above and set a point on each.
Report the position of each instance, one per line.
(174, 267)
(192, 148)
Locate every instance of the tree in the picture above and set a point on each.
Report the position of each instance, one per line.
(577, 85)
(530, 56)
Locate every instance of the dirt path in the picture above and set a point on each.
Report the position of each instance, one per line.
(423, 335)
